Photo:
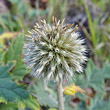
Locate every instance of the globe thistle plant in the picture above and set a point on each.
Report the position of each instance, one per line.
(54, 50)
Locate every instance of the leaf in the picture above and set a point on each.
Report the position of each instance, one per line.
(81, 106)
(66, 104)
(9, 106)
(1, 55)
(102, 105)
(15, 49)
(4, 71)
(43, 97)
(105, 70)
(32, 103)
(72, 90)
(13, 53)
(93, 78)
(98, 104)
(7, 35)
(19, 70)
(52, 109)
(10, 91)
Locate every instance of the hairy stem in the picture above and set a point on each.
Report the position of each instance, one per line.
(60, 95)
(45, 85)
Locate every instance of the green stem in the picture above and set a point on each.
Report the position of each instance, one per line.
(60, 95)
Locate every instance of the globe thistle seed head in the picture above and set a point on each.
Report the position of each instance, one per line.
(54, 50)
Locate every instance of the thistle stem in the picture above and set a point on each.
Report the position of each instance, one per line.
(60, 95)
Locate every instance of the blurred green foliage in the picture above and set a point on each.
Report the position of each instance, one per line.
(19, 18)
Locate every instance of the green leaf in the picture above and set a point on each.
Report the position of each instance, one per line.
(81, 106)
(4, 71)
(10, 91)
(1, 55)
(52, 109)
(97, 104)
(105, 70)
(93, 78)
(43, 97)
(19, 70)
(13, 53)
(29, 103)
(15, 49)
(102, 105)
(66, 104)
(32, 103)
(9, 106)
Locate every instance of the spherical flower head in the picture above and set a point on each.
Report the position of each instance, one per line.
(54, 50)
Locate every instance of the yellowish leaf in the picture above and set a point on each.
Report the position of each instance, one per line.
(72, 89)
(2, 100)
(7, 35)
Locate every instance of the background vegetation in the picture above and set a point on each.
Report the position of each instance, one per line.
(19, 91)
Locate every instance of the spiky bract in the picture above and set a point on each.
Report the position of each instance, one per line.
(54, 50)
